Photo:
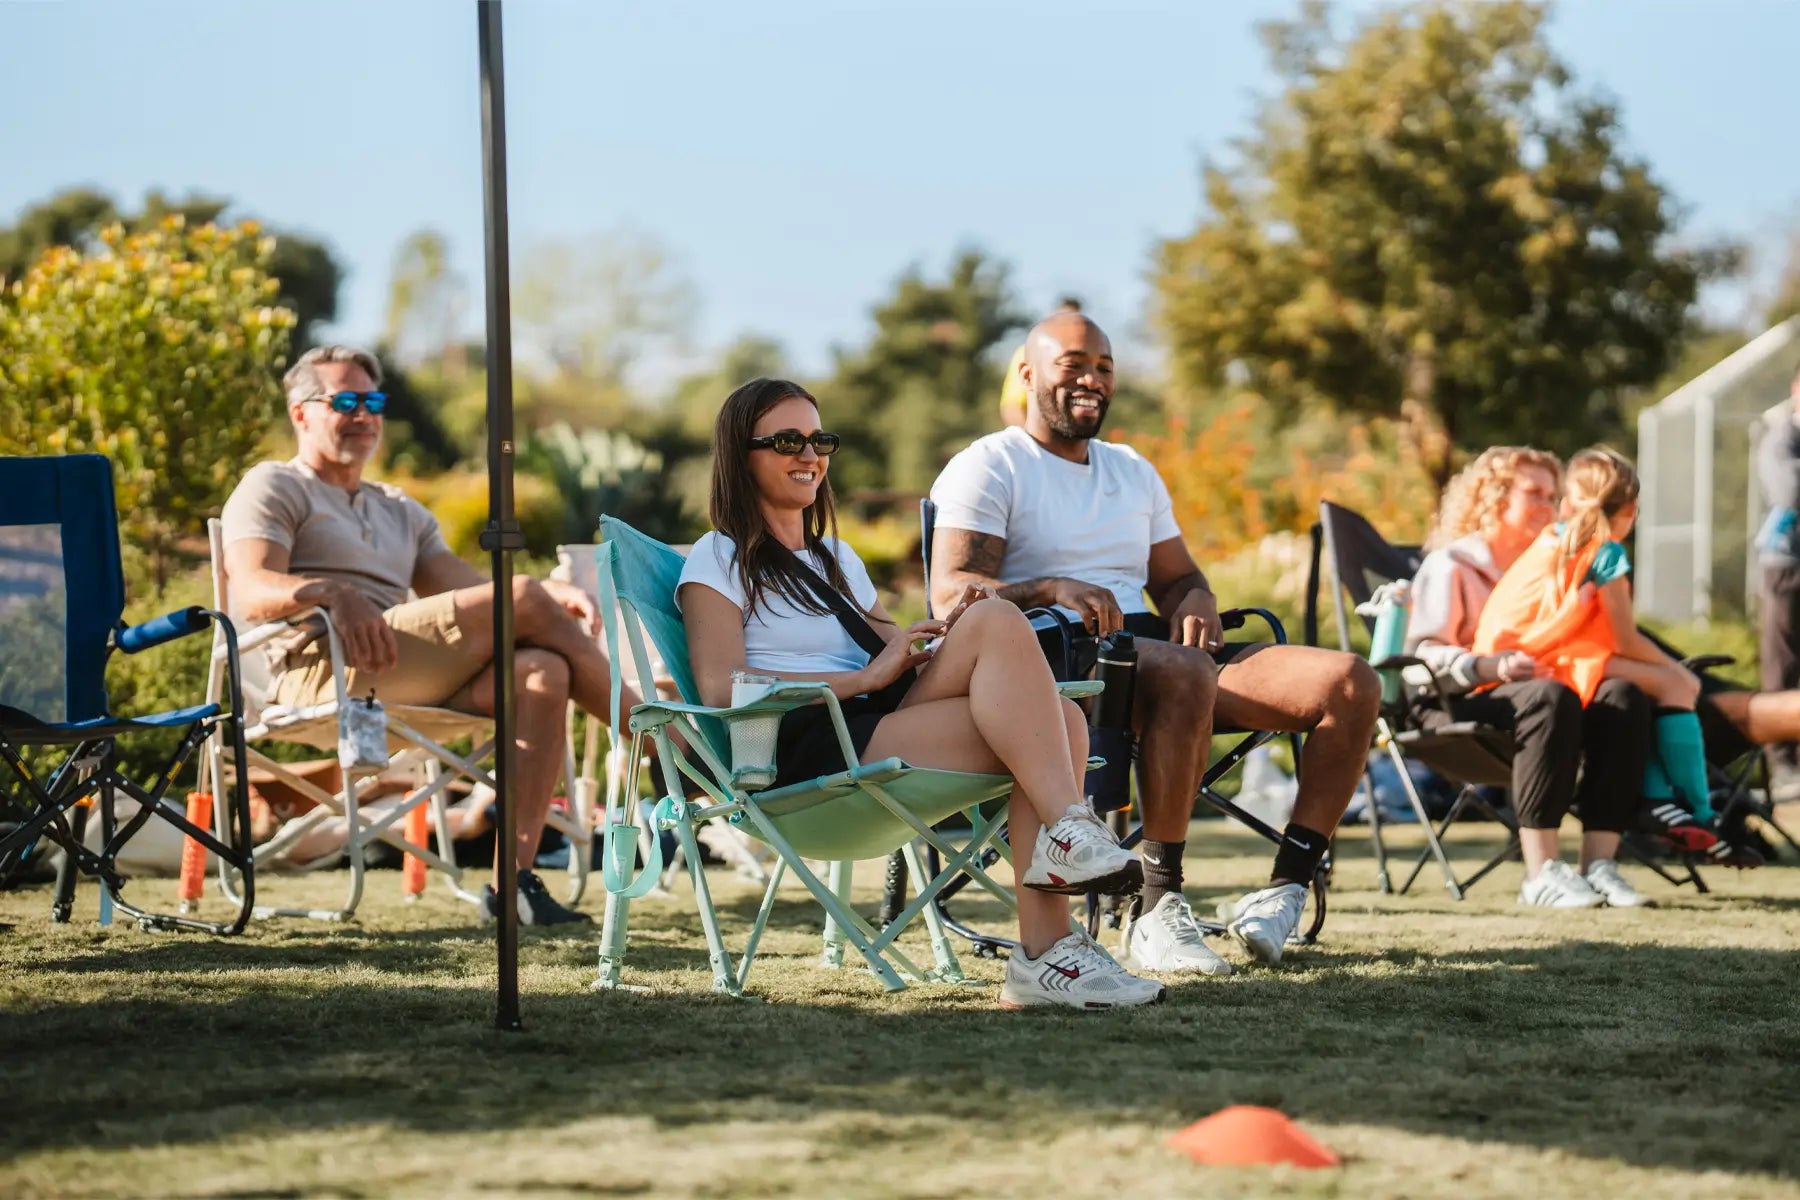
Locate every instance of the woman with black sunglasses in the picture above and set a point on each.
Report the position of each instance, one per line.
(773, 590)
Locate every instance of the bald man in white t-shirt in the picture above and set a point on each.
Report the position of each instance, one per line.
(1047, 515)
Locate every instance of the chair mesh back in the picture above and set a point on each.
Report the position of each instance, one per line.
(61, 588)
(33, 615)
(1363, 560)
(645, 574)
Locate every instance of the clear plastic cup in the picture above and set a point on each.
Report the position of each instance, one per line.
(752, 738)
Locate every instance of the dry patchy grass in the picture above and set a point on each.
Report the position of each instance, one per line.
(1457, 1050)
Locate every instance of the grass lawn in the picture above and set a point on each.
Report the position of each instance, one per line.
(1445, 1049)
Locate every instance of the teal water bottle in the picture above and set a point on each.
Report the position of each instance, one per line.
(1390, 605)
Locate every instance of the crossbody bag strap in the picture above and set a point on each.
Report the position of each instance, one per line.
(854, 623)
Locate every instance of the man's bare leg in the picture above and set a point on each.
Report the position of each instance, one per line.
(541, 694)
(1762, 717)
(538, 620)
(1332, 697)
(1173, 716)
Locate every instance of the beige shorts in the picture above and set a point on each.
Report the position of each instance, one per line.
(433, 664)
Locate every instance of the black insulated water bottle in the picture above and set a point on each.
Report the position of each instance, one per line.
(1109, 733)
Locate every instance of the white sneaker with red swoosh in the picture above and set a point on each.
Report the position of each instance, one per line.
(1074, 973)
(1079, 854)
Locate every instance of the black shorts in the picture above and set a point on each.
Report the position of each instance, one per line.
(806, 745)
(1083, 648)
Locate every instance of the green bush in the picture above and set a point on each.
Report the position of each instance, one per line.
(159, 350)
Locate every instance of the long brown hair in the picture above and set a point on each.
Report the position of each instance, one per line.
(1598, 485)
(765, 565)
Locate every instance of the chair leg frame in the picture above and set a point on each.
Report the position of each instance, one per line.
(891, 966)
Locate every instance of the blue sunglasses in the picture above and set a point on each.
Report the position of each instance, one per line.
(346, 402)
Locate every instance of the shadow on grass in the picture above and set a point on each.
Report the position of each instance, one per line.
(1657, 1056)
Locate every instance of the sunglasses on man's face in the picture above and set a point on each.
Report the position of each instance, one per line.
(791, 442)
(346, 402)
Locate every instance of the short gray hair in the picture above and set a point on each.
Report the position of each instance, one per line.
(302, 379)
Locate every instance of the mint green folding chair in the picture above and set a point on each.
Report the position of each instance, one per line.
(866, 812)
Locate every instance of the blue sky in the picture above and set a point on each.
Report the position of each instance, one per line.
(795, 158)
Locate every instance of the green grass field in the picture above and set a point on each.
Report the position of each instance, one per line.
(1444, 1049)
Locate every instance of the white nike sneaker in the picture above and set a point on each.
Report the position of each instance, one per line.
(1079, 854)
(1074, 973)
(1556, 885)
(1169, 939)
(1264, 921)
(1604, 878)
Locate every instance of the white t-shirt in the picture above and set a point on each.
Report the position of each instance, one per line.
(780, 637)
(1092, 521)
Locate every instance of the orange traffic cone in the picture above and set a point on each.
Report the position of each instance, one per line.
(193, 854)
(1245, 1135)
(418, 829)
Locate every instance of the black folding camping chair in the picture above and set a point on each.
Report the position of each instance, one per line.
(1357, 560)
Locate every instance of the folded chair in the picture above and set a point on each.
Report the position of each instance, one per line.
(866, 811)
(1060, 636)
(417, 737)
(1351, 558)
(61, 595)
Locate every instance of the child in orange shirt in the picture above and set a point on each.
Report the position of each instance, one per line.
(1567, 602)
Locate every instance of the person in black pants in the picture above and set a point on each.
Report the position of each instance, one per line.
(1491, 512)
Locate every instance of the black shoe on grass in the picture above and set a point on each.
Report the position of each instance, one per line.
(536, 905)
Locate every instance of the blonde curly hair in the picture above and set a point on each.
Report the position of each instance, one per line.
(1472, 501)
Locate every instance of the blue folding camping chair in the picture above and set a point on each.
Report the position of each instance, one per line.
(62, 593)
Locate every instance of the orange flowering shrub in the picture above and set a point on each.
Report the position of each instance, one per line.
(1233, 487)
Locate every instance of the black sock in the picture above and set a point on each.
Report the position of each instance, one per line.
(1162, 871)
(1299, 856)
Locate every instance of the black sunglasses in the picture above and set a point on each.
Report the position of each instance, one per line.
(791, 442)
(346, 402)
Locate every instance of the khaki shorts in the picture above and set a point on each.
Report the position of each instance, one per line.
(433, 664)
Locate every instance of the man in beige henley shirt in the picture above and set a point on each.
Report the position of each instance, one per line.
(312, 532)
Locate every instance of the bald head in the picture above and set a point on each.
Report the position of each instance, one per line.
(1068, 374)
(1063, 329)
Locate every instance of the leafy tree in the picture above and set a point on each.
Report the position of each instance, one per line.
(1432, 221)
(308, 274)
(697, 398)
(426, 301)
(588, 313)
(71, 218)
(159, 350)
(928, 382)
(1786, 301)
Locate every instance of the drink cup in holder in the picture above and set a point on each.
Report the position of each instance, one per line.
(752, 738)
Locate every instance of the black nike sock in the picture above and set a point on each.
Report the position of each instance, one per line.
(1298, 857)
(1162, 871)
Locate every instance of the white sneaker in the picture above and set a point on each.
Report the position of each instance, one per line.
(1264, 921)
(1079, 854)
(1604, 878)
(1169, 939)
(1556, 885)
(1074, 973)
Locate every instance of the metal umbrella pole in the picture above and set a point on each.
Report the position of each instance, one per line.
(501, 537)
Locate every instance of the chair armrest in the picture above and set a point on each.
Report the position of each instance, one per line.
(1234, 618)
(782, 698)
(1413, 663)
(268, 631)
(1706, 662)
(134, 639)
